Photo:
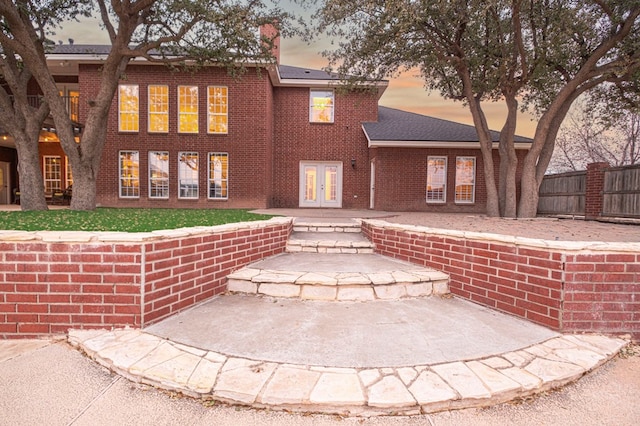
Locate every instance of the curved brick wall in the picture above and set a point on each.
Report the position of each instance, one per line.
(53, 281)
(568, 286)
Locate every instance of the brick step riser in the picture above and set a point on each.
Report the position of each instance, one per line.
(343, 292)
(294, 248)
(346, 229)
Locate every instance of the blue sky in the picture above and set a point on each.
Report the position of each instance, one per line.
(406, 92)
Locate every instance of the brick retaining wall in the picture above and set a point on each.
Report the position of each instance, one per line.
(568, 286)
(52, 281)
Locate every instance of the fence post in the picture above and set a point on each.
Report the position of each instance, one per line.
(594, 190)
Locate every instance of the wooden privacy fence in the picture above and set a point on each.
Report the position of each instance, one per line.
(599, 192)
(563, 194)
(621, 192)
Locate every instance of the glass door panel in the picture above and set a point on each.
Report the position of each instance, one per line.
(320, 184)
(311, 184)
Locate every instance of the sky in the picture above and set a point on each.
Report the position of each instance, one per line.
(406, 92)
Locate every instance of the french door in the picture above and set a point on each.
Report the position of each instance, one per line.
(320, 184)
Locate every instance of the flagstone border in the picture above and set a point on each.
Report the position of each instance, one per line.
(145, 358)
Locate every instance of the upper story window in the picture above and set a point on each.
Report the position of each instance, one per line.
(217, 117)
(188, 109)
(321, 105)
(465, 179)
(436, 179)
(158, 109)
(128, 108)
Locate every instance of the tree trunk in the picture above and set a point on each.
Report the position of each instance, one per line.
(486, 147)
(31, 181)
(538, 158)
(508, 161)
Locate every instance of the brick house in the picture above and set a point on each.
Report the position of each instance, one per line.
(282, 137)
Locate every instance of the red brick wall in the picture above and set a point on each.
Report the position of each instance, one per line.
(557, 287)
(602, 292)
(182, 272)
(401, 179)
(296, 140)
(248, 142)
(47, 288)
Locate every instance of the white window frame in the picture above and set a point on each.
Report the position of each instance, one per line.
(68, 175)
(131, 178)
(135, 111)
(191, 195)
(472, 183)
(321, 93)
(154, 180)
(213, 102)
(223, 180)
(443, 182)
(52, 178)
(182, 113)
(151, 113)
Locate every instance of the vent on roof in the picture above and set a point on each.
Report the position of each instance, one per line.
(307, 71)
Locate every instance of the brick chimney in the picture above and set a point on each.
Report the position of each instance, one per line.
(270, 32)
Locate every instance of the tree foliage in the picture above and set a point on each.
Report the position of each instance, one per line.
(22, 117)
(223, 32)
(540, 55)
(586, 138)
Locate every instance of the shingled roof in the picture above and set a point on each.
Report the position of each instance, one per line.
(297, 73)
(401, 128)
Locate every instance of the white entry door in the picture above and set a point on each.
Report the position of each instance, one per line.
(320, 184)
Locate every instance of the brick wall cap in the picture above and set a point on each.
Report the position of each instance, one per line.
(599, 246)
(84, 236)
(16, 236)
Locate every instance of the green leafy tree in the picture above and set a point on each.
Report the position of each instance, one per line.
(22, 115)
(542, 54)
(223, 32)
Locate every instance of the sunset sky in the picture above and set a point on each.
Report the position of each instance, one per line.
(406, 92)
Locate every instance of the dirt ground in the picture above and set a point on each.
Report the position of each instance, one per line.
(543, 227)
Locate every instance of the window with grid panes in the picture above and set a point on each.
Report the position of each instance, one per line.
(158, 174)
(465, 180)
(188, 175)
(436, 179)
(187, 109)
(158, 108)
(217, 117)
(128, 108)
(129, 171)
(218, 175)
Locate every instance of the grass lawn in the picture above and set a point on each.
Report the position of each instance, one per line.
(122, 220)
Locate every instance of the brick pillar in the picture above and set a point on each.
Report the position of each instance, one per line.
(594, 190)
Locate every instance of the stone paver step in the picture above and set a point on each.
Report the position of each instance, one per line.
(329, 242)
(341, 277)
(325, 225)
(144, 358)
